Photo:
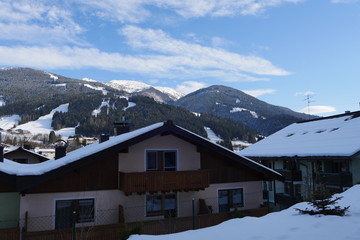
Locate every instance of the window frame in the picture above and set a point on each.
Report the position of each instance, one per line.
(75, 205)
(230, 198)
(161, 160)
(162, 211)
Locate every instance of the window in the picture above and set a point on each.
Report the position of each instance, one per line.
(151, 160)
(170, 161)
(80, 210)
(161, 205)
(161, 160)
(230, 198)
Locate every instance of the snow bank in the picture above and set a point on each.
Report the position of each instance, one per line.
(286, 225)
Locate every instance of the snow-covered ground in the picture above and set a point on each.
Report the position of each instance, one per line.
(102, 89)
(43, 124)
(8, 122)
(130, 105)
(212, 136)
(285, 225)
(135, 86)
(104, 103)
(237, 109)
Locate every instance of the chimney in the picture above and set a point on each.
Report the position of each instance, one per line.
(121, 127)
(26, 146)
(104, 138)
(60, 149)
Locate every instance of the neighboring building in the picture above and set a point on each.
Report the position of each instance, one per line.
(323, 151)
(147, 174)
(46, 152)
(24, 155)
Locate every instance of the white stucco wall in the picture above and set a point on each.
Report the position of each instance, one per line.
(134, 160)
(41, 207)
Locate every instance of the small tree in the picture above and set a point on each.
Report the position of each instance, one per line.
(323, 203)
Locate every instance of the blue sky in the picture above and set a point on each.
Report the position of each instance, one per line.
(280, 51)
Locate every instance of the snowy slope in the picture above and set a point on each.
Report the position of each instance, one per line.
(212, 136)
(43, 124)
(130, 86)
(285, 225)
(8, 122)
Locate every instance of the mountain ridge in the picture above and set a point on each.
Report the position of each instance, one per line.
(217, 104)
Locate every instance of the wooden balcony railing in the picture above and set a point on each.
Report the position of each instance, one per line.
(336, 179)
(290, 175)
(163, 181)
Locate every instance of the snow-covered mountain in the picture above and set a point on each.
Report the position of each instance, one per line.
(160, 94)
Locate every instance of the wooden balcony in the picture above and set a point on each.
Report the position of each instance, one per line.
(164, 181)
(336, 179)
(290, 175)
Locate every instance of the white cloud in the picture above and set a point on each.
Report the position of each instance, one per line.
(137, 10)
(197, 56)
(75, 58)
(259, 92)
(317, 110)
(344, 1)
(307, 93)
(161, 57)
(189, 86)
(36, 22)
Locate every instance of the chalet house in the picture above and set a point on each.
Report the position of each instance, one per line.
(309, 154)
(147, 174)
(24, 155)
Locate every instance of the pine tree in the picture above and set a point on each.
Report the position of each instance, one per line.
(323, 203)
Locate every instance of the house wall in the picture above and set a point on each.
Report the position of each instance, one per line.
(40, 207)
(101, 174)
(252, 197)
(225, 170)
(134, 160)
(9, 210)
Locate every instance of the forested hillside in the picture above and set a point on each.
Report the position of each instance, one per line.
(93, 106)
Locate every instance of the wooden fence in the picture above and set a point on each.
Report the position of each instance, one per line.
(115, 231)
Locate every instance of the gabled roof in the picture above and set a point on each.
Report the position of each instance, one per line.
(334, 136)
(24, 150)
(42, 171)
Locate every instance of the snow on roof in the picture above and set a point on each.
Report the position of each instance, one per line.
(13, 168)
(332, 136)
(18, 169)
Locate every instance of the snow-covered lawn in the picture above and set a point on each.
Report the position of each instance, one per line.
(287, 224)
